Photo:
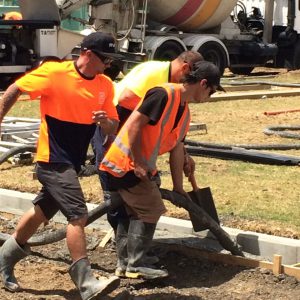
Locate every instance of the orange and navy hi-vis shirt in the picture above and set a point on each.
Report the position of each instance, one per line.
(66, 104)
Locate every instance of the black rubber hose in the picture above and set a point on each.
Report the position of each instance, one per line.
(245, 146)
(253, 156)
(204, 219)
(175, 198)
(280, 130)
(57, 235)
(16, 150)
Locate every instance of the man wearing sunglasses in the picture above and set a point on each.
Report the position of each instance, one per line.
(74, 98)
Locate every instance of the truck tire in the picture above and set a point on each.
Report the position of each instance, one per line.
(296, 59)
(214, 53)
(241, 70)
(6, 80)
(169, 50)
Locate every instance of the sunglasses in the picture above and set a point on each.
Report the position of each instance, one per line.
(106, 60)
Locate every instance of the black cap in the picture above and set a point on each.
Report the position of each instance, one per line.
(101, 43)
(209, 71)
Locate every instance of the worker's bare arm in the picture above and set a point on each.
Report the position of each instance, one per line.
(108, 125)
(128, 95)
(176, 167)
(8, 100)
(111, 127)
(136, 122)
(189, 165)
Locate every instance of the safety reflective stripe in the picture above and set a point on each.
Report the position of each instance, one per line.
(151, 162)
(153, 157)
(122, 147)
(113, 167)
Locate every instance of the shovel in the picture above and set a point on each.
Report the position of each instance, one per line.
(203, 198)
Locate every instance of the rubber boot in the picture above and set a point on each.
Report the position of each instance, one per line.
(140, 236)
(121, 245)
(150, 259)
(88, 286)
(10, 254)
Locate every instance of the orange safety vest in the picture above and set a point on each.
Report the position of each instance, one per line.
(155, 139)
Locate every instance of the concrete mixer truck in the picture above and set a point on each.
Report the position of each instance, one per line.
(236, 34)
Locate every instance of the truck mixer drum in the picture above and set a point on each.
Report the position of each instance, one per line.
(191, 15)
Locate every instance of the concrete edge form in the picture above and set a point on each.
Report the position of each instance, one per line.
(262, 245)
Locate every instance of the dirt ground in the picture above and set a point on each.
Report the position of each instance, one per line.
(44, 275)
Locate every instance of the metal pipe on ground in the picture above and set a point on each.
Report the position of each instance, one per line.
(245, 146)
(244, 155)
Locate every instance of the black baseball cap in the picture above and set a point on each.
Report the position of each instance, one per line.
(209, 71)
(102, 43)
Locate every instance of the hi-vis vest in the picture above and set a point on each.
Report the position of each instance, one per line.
(140, 79)
(155, 139)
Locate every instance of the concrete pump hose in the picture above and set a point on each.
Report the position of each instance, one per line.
(16, 150)
(175, 198)
(203, 218)
(58, 235)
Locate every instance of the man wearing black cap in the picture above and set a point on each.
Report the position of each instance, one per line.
(158, 125)
(103, 45)
(74, 98)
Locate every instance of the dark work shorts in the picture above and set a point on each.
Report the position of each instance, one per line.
(61, 191)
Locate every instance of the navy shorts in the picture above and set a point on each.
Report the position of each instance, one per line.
(61, 191)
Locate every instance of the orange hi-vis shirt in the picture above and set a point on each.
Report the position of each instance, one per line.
(66, 105)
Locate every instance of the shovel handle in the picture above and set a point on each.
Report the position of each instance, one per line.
(193, 182)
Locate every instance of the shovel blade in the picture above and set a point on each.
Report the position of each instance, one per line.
(203, 197)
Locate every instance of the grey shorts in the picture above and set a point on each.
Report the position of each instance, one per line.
(61, 191)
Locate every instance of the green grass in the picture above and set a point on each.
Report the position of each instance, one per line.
(28, 109)
(247, 190)
(266, 193)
